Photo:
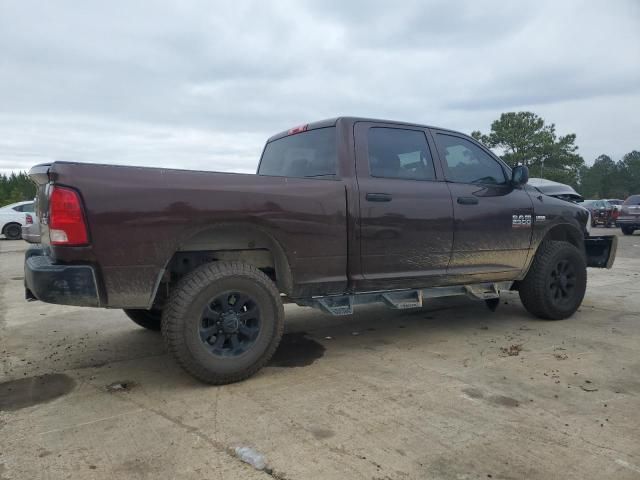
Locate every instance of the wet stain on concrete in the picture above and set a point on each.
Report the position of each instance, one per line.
(473, 392)
(499, 400)
(321, 433)
(296, 350)
(503, 401)
(26, 392)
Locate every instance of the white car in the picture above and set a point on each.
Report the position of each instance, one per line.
(13, 217)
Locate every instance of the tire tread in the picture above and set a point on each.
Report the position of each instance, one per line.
(532, 289)
(184, 294)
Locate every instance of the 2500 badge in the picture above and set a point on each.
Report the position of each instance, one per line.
(520, 221)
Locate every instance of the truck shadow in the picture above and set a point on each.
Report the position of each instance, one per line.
(309, 336)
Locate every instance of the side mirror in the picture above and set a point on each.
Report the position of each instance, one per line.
(519, 175)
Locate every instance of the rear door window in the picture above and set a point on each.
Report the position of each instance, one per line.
(399, 153)
(25, 207)
(306, 155)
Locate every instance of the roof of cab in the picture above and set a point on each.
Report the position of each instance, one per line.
(330, 122)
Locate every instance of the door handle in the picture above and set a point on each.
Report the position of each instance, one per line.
(379, 197)
(467, 200)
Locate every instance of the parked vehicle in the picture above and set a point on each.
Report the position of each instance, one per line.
(602, 212)
(629, 219)
(31, 228)
(13, 217)
(617, 208)
(556, 189)
(341, 212)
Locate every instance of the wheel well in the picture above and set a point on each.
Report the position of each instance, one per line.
(243, 243)
(9, 224)
(566, 233)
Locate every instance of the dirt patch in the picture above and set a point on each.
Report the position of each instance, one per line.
(511, 351)
(117, 387)
(26, 392)
(296, 350)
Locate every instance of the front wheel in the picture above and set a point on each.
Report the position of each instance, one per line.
(627, 230)
(556, 282)
(223, 321)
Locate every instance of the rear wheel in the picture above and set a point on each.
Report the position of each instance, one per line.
(223, 321)
(627, 230)
(149, 319)
(556, 282)
(13, 231)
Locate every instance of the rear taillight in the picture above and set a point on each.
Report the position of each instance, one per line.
(67, 225)
(28, 219)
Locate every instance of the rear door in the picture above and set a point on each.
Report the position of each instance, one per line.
(406, 215)
(493, 219)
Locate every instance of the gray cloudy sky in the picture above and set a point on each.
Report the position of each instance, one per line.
(201, 84)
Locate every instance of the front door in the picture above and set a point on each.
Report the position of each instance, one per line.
(406, 215)
(493, 219)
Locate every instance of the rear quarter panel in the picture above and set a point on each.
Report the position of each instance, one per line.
(138, 217)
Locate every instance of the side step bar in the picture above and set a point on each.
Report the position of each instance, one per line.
(402, 299)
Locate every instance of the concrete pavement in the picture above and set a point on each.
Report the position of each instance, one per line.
(451, 391)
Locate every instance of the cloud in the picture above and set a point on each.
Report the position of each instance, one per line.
(201, 85)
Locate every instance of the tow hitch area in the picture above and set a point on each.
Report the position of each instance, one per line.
(601, 250)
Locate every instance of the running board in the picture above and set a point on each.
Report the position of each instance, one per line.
(402, 299)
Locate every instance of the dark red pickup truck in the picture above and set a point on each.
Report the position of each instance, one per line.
(341, 212)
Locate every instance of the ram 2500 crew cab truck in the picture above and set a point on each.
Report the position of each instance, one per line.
(341, 212)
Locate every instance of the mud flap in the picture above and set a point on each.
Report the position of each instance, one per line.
(601, 250)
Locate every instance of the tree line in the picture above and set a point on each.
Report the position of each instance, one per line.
(520, 138)
(16, 187)
(523, 138)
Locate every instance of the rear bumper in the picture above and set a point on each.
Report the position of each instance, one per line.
(31, 233)
(601, 250)
(62, 284)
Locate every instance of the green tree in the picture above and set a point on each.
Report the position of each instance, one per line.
(525, 139)
(603, 179)
(16, 188)
(629, 168)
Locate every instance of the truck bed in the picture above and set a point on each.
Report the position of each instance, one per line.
(138, 217)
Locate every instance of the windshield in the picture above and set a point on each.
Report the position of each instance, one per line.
(632, 200)
(306, 154)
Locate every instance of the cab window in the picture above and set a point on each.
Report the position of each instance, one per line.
(307, 154)
(399, 153)
(466, 162)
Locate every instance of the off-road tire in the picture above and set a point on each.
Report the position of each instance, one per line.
(13, 231)
(627, 230)
(149, 319)
(182, 318)
(536, 291)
